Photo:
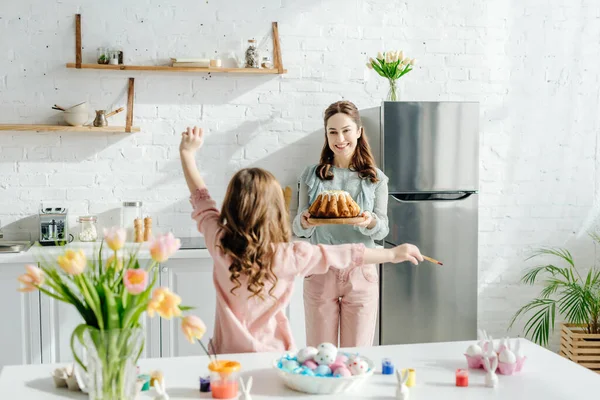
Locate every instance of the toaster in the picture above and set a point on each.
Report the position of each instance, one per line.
(53, 226)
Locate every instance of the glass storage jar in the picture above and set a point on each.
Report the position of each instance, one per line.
(88, 231)
(130, 211)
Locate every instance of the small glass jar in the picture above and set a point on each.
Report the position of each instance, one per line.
(113, 57)
(102, 55)
(224, 377)
(88, 231)
(130, 211)
(252, 55)
(266, 63)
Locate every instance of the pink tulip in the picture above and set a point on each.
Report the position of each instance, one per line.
(72, 262)
(164, 247)
(115, 237)
(32, 279)
(135, 280)
(193, 328)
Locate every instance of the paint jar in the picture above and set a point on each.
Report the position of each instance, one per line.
(462, 377)
(224, 376)
(387, 367)
(412, 377)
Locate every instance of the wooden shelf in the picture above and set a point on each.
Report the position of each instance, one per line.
(65, 128)
(166, 68)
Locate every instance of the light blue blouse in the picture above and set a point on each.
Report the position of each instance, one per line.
(372, 197)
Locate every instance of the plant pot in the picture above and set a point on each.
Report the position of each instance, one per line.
(110, 362)
(580, 347)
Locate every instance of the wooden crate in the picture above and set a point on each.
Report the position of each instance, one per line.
(580, 347)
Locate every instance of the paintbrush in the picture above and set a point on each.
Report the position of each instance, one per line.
(432, 260)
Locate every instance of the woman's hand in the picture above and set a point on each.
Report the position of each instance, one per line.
(191, 140)
(369, 222)
(406, 252)
(304, 220)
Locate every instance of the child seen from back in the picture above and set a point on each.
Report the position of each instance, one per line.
(255, 263)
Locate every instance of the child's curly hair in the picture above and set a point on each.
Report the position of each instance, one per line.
(254, 218)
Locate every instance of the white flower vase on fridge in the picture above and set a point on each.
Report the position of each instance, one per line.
(392, 66)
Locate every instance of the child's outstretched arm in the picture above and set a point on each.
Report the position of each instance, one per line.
(398, 254)
(191, 141)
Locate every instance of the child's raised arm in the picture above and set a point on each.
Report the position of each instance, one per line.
(205, 211)
(191, 141)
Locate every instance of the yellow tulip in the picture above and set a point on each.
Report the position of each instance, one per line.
(73, 262)
(165, 303)
(193, 328)
(115, 238)
(117, 264)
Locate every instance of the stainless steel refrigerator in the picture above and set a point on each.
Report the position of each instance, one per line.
(430, 153)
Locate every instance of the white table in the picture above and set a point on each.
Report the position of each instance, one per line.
(545, 375)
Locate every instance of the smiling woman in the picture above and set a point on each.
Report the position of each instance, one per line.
(343, 302)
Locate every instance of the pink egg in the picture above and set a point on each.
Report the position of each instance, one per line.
(341, 358)
(342, 371)
(310, 364)
(337, 364)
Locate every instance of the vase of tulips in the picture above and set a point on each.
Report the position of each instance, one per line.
(111, 293)
(392, 66)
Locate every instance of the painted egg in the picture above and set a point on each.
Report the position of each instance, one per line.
(310, 364)
(307, 353)
(359, 367)
(327, 353)
(342, 372)
(323, 370)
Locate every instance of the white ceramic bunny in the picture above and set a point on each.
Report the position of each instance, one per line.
(491, 379)
(246, 389)
(402, 392)
(160, 390)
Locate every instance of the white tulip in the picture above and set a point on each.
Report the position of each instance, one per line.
(379, 56)
(413, 61)
(369, 65)
(388, 57)
(400, 55)
(406, 61)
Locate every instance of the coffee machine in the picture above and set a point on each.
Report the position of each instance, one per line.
(53, 226)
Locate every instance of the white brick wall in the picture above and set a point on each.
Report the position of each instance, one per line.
(532, 65)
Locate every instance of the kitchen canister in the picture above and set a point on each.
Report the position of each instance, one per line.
(130, 211)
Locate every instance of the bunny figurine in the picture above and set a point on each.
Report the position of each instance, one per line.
(246, 389)
(491, 379)
(161, 391)
(402, 392)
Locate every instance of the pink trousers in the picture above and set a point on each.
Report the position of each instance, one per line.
(342, 302)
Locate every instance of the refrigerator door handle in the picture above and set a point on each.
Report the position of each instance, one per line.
(434, 196)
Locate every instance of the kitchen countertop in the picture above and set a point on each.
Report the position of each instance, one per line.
(545, 375)
(91, 249)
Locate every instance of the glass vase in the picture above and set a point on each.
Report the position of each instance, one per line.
(393, 93)
(110, 362)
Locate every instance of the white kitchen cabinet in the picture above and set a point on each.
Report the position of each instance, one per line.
(295, 314)
(192, 280)
(59, 319)
(20, 334)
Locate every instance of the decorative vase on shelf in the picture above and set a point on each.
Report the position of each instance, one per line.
(393, 92)
(109, 361)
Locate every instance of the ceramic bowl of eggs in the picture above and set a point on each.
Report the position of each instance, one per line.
(323, 370)
(510, 357)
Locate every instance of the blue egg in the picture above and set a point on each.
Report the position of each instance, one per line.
(289, 365)
(308, 372)
(323, 370)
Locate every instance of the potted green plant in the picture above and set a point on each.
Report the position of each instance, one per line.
(573, 296)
